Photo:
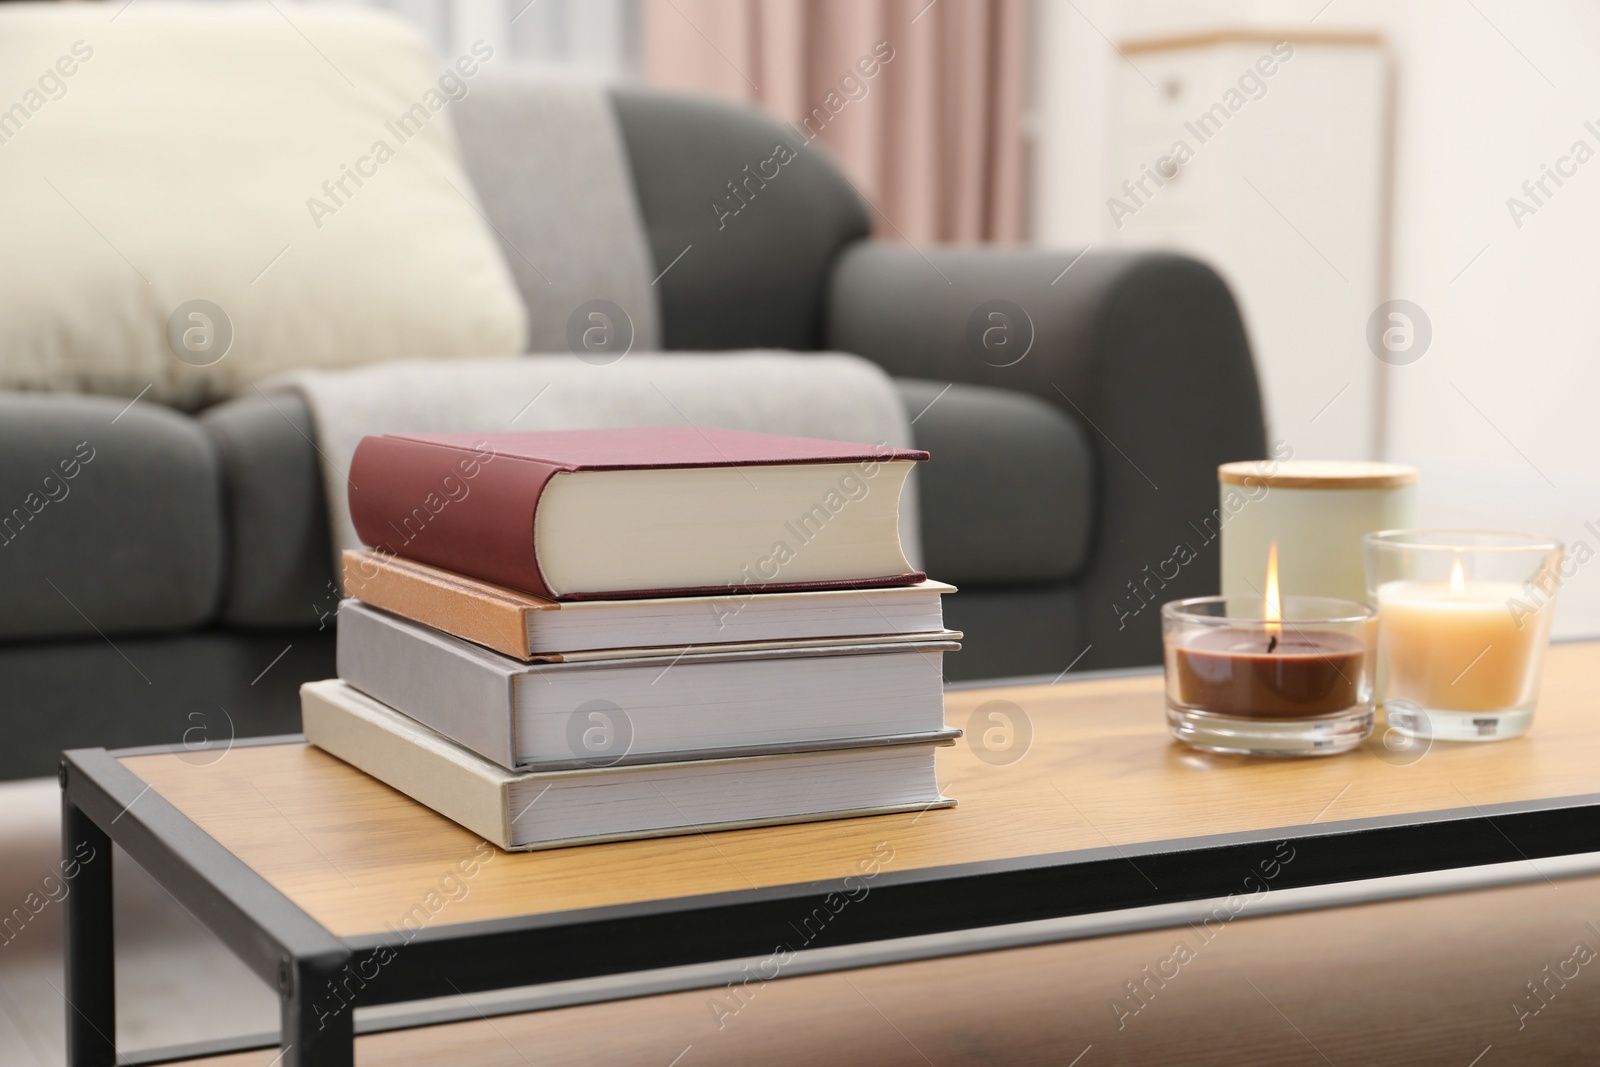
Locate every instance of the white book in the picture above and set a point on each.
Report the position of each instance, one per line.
(556, 808)
(892, 610)
(625, 707)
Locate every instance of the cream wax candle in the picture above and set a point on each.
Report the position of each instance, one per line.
(1453, 645)
(1459, 647)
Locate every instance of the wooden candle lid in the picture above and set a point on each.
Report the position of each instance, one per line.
(1317, 474)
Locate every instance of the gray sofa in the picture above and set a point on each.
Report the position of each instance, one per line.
(179, 584)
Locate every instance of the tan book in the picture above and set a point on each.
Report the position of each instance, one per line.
(553, 809)
(532, 628)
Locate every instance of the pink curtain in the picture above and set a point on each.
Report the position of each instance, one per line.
(921, 103)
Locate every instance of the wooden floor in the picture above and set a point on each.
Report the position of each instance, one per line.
(1421, 982)
(1101, 768)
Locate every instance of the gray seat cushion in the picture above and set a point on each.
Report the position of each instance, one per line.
(186, 689)
(1014, 630)
(281, 572)
(110, 519)
(1007, 498)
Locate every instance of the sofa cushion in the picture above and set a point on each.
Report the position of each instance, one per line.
(110, 519)
(205, 686)
(281, 571)
(311, 195)
(1014, 631)
(1008, 494)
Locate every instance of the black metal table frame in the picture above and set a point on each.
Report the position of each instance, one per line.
(103, 802)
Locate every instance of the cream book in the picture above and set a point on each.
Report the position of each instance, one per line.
(556, 808)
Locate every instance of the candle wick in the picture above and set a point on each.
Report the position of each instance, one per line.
(1272, 643)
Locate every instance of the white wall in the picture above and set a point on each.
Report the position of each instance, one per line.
(1499, 413)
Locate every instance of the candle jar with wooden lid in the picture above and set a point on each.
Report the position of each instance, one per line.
(1316, 512)
(1264, 677)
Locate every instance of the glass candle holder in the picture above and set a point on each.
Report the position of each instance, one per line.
(1298, 685)
(1464, 619)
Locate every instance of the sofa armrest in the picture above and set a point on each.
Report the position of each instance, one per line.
(1148, 350)
(1010, 501)
(110, 520)
(277, 534)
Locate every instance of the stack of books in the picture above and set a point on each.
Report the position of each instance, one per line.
(573, 636)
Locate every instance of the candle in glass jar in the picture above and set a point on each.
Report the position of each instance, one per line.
(1258, 675)
(1456, 645)
(1279, 676)
(1276, 670)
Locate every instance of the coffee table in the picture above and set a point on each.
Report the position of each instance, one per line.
(338, 891)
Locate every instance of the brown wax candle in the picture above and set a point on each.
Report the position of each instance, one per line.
(1255, 674)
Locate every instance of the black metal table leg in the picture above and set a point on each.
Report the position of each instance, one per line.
(318, 1013)
(91, 956)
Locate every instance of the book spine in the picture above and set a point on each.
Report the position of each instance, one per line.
(467, 510)
(408, 591)
(423, 770)
(462, 692)
(743, 589)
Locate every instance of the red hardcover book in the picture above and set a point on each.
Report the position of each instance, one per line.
(637, 512)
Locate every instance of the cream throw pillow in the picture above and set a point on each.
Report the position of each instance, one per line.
(292, 166)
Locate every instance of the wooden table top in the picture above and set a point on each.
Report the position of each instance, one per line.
(1101, 770)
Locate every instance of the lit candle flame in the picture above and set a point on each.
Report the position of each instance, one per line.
(1458, 580)
(1273, 608)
